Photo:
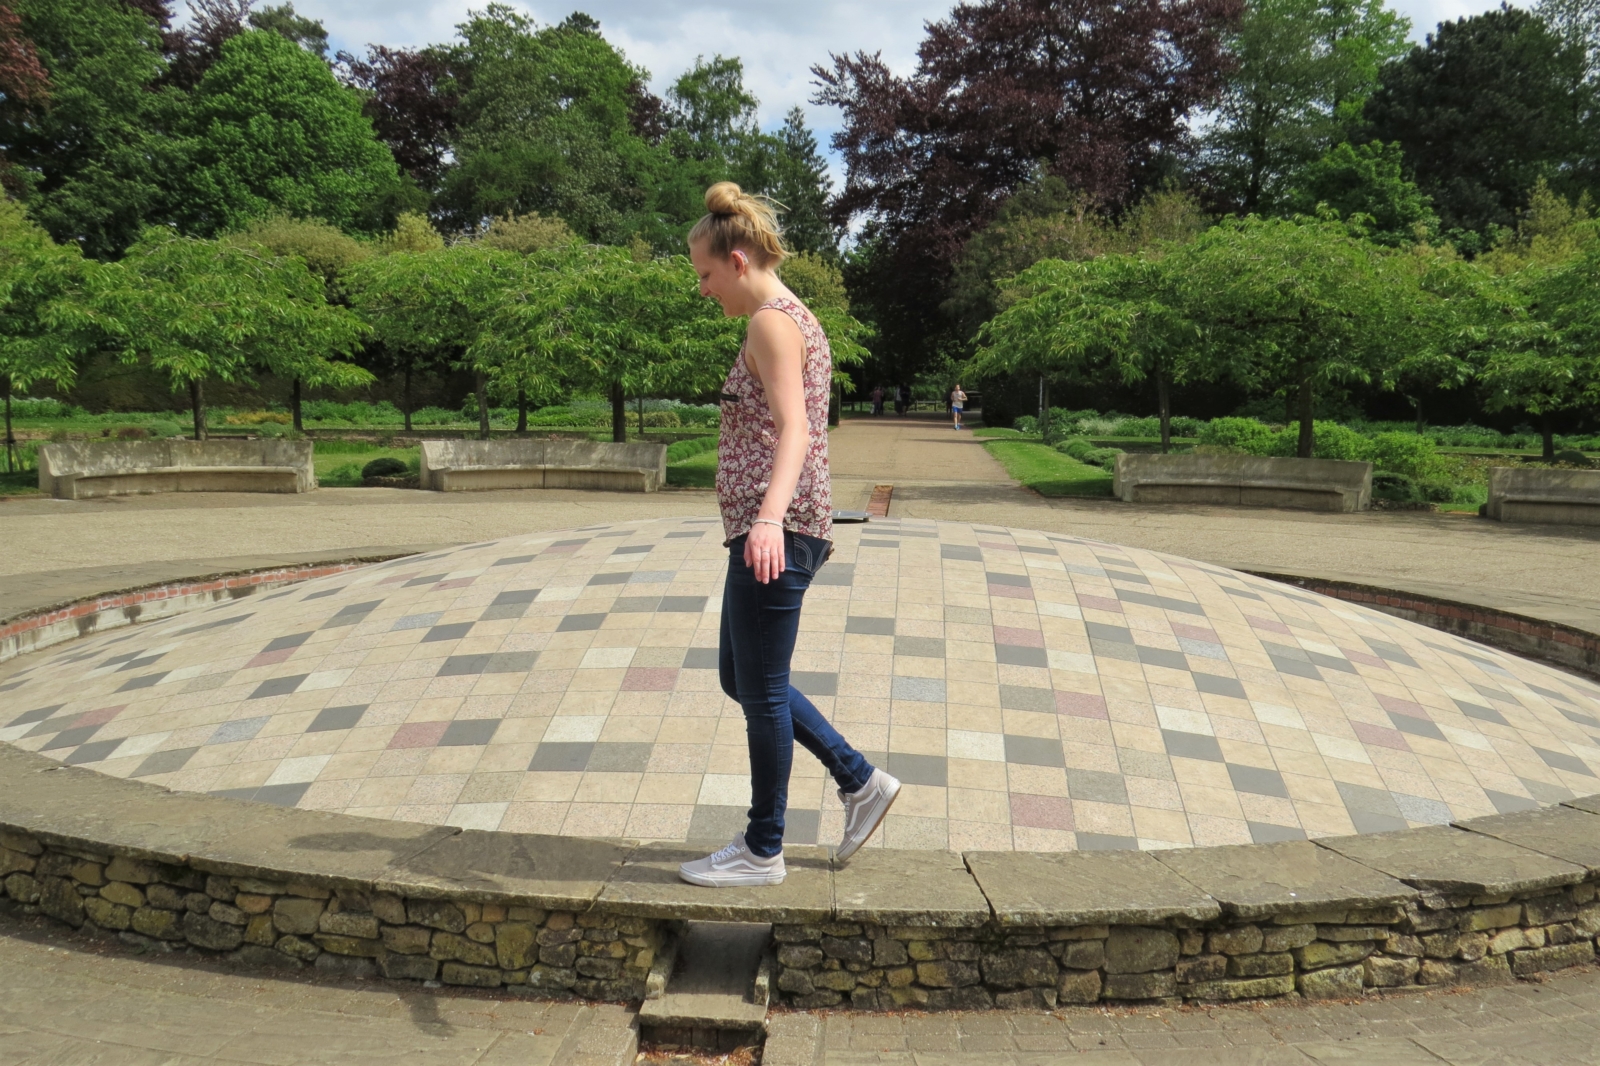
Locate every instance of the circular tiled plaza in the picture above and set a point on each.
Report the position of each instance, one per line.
(1035, 692)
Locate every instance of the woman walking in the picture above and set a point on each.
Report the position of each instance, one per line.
(777, 515)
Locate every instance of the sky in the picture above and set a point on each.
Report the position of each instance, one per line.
(779, 40)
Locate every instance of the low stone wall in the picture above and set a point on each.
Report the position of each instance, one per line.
(467, 465)
(1489, 900)
(81, 470)
(1524, 494)
(1244, 481)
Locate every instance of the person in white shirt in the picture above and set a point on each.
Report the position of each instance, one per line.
(958, 400)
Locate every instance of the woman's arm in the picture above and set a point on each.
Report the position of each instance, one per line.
(776, 353)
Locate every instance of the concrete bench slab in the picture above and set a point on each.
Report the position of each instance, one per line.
(1283, 880)
(1446, 859)
(1564, 833)
(1085, 888)
(553, 872)
(648, 886)
(1244, 481)
(1531, 494)
(477, 465)
(81, 470)
(921, 888)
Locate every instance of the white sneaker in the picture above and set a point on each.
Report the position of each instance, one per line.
(864, 810)
(733, 866)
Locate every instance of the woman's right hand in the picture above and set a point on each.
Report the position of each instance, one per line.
(763, 551)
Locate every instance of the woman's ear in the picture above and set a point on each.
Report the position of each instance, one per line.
(743, 261)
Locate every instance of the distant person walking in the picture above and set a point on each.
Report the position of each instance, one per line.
(902, 400)
(958, 400)
(777, 513)
(877, 401)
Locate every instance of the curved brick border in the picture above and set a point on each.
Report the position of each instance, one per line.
(1486, 900)
(1557, 643)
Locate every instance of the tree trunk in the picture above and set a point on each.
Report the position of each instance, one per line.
(1307, 426)
(619, 413)
(1164, 402)
(1416, 402)
(481, 383)
(638, 404)
(405, 397)
(1044, 410)
(522, 411)
(197, 404)
(294, 405)
(1547, 431)
(11, 440)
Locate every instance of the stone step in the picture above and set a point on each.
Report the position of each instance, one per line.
(716, 995)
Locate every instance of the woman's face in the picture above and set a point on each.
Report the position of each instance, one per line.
(721, 277)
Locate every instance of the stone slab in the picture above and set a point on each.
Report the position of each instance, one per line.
(1085, 888)
(1584, 803)
(554, 872)
(1288, 878)
(320, 846)
(1566, 833)
(1446, 859)
(74, 807)
(715, 979)
(648, 886)
(921, 888)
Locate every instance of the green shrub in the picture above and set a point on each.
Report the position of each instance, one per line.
(1239, 434)
(434, 416)
(384, 466)
(355, 413)
(343, 475)
(26, 407)
(1076, 447)
(1027, 425)
(678, 451)
(1573, 457)
(270, 430)
(1406, 453)
(1105, 458)
(1329, 440)
(1396, 488)
(161, 430)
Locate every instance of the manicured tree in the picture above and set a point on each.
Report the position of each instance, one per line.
(607, 321)
(326, 252)
(1545, 353)
(269, 129)
(47, 318)
(436, 303)
(1294, 307)
(1118, 313)
(197, 310)
(1367, 182)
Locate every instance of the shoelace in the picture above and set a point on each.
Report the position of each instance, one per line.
(727, 853)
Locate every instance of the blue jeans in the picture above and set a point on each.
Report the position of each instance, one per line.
(759, 624)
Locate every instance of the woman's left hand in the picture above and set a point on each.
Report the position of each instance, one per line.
(763, 551)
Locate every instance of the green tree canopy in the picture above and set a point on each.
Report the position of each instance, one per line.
(1365, 185)
(197, 310)
(91, 164)
(269, 129)
(1305, 67)
(1482, 110)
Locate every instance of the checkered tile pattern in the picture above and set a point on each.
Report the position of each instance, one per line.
(1033, 691)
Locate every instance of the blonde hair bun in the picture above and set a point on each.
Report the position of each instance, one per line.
(739, 221)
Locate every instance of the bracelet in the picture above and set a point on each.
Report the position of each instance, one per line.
(768, 521)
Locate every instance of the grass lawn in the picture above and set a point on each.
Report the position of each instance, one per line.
(696, 472)
(1045, 470)
(338, 463)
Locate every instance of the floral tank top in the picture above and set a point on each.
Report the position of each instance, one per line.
(750, 439)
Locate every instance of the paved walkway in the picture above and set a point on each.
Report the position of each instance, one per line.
(64, 999)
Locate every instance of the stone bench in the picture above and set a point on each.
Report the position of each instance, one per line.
(81, 470)
(1244, 481)
(1524, 494)
(470, 465)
